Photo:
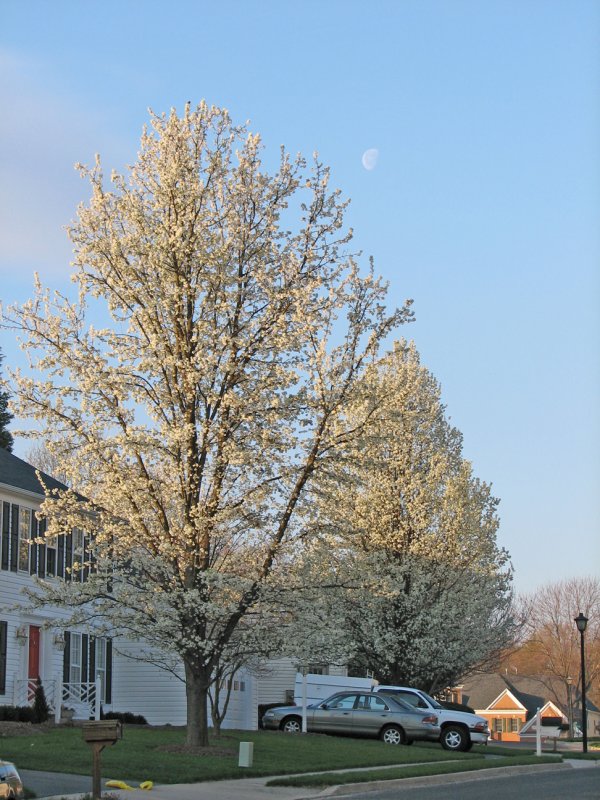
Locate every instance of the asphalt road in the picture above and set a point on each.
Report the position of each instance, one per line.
(48, 784)
(571, 784)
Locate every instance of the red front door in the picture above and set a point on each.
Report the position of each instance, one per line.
(33, 669)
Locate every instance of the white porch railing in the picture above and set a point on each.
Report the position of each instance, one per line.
(83, 699)
(24, 691)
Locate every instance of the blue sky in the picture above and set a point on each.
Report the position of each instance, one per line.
(482, 206)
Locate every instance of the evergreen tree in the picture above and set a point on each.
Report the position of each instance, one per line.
(41, 709)
(6, 438)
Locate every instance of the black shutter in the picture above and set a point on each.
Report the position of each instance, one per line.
(5, 533)
(42, 550)
(92, 662)
(67, 658)
(3, 631)
(60, 556)
(33, 547)
(86, 557)
(109, 672)
(84, 657)
(68, 556)
(14, 538)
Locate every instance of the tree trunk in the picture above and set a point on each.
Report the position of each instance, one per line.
(197, 681)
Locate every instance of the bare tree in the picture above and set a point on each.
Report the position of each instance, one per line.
(551, 650)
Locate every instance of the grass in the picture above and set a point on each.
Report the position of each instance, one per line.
(594, 756)
(416, 771)
(139, 757)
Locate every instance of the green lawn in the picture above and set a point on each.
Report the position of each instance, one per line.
(138, 756)
(417, 771)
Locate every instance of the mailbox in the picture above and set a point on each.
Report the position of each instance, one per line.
(105, 731)
(99, 735)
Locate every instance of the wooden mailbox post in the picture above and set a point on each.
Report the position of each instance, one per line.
(98, 735)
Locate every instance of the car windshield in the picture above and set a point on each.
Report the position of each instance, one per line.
(433, 702)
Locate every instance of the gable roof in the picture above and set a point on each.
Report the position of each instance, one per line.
(531, 724)
(506, 702)
(19, 474)
(484, 689)
(481, 689)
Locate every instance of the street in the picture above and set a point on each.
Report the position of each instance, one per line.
(573, 784)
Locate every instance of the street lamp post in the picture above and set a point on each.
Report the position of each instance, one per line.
(570, 705)
(581, 621)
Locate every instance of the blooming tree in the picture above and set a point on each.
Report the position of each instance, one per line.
(432, 593)
(200, 380)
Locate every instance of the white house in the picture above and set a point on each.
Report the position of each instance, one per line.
(80, 671)
(75, 667)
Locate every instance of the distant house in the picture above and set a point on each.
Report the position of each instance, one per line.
(509, 702)
(79, 671)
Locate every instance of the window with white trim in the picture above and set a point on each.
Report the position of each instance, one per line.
(75, 663)
(51, 557)
(100, 658)
(24, 541)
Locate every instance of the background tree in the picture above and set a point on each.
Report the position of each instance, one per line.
(41, 456)
(550, 650)
(6, 438)
(201, 376)
(433, 589)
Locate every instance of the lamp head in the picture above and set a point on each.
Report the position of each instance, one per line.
(581, 621)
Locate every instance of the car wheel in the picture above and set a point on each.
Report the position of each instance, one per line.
(456, 738)
(393, 734)
(291, 725)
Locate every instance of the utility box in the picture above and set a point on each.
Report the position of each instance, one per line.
(246, 754)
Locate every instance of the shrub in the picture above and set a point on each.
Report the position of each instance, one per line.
(17, 714)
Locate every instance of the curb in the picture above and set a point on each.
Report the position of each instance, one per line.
(437, 780)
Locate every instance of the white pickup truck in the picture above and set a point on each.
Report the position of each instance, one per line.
(460, 729)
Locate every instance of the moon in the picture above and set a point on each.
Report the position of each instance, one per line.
(369, 158)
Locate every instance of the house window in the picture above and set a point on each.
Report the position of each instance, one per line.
(19, 526)
(51, 557)
(498, 726)
(24, 526)
(100, 653)
(77, 561)
(75, 660)
(10, 537)
(318, 669)
(86, 658)
(514, 726)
